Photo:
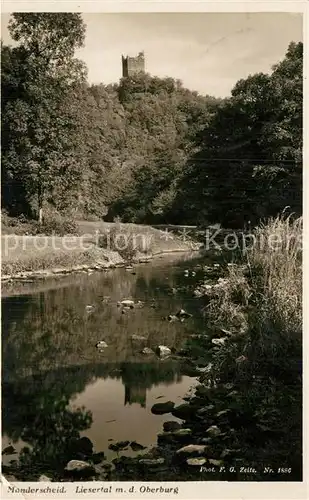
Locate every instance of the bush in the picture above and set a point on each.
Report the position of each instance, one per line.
(125, 241)
(55, 223)
(59, 227)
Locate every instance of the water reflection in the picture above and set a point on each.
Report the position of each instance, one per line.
(58, 387)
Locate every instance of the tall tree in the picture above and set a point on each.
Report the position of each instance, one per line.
(38, 119)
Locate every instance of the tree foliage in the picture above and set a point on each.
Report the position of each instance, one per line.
(38, 120)
(145, 149)
(248, 165)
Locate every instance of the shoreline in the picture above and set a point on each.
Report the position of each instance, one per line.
(32, 258)
(106, 261)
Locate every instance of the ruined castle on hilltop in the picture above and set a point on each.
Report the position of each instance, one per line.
(133, 65)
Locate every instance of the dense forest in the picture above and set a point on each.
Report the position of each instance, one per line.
(144, 149)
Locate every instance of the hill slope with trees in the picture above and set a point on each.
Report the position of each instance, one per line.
(146, 149)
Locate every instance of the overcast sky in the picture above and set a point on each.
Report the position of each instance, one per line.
(209, 52)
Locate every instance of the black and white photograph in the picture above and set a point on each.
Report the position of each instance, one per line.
(151, 234)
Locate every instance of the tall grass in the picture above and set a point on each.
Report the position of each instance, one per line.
(262, 300)
(275, 264)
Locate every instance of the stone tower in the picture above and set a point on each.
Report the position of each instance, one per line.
(133, 65)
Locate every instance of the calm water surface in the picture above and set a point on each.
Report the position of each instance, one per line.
(55, 383)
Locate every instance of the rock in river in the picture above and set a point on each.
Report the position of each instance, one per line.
(119, 446)
(171, 426)
(44, 479)
(181, 435)
(184, 411)
(79, 468)
(197, 462)
(163, 351)
(161, 408)
(183, 314)
(136, 446)
(192, 449)
(147, 351)
(213, 431)
(101, 344)
(215, 462)
(151, 462)
(127, 303)
(172, 317)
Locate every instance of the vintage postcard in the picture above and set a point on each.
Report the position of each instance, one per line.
(152, 250)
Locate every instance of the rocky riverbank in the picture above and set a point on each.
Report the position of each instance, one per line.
(34, 258)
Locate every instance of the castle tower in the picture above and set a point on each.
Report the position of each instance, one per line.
(135, 395)
(133, 65)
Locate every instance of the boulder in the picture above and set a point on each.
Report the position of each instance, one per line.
(206, 440)
(161, 408)
(223, 412)
(151, 462)
(184, 411)
(44, 479)
(127, 303)
(171, 426)
(202, 391)
(10, 477)
(172, 317)
(163, 351)
(120, 445)
(220, 341)
(101, 344)
(192, 449)
(181, 435)
(183, 314)
(215, 462)
(179, 432)
(79, 468)
(196, 462)
(227, 452)
(107, 466)
(213, 431)
(147, 351)
(136, 446)
(205, 410)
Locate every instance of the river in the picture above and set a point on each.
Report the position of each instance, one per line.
(56, 385)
